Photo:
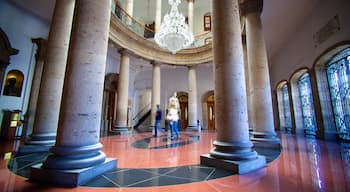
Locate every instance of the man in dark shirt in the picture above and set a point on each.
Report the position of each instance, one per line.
(158, 120)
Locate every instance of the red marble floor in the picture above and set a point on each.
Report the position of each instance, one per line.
(304, 165)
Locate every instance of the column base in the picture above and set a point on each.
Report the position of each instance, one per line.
(122, 130)
(265, 140)
(239, 167)
(192, 128)
(27, 149)
(42, 139)
(70, 178)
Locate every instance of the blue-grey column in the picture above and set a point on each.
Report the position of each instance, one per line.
(155, 99)
(232, 147)
(77, 156)
(263, 124)
(50, 93)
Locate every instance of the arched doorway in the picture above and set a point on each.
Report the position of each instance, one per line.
(13, 83)
(211, 112)
(183, 101)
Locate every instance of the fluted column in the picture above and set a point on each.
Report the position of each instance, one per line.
(190, 14)
(158, 18)
(232, 147)
(77, 154)
(122, 97)
(263, 123)
(192, 98)
(155, 99)
(50, 93)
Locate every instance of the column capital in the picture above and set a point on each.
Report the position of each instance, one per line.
(41, 51)
(191, 66)
(155, 63)
(251, 6)
(123, 51)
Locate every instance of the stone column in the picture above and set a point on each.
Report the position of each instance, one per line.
(76, 156)
(34, 90)
(122, 97)
(263, 124)
(232, 147)
(192, 98)
(190, 14)
(50, 93)
(155, 99)
(129, 10)
(158, 19)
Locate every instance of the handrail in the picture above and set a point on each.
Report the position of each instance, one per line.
(119, 12)
(145, 108)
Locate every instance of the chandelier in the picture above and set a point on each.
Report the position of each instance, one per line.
(173, 33)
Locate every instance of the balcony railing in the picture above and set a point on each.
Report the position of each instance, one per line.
(147, 30)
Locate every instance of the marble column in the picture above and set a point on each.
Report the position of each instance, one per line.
(129, 10)
(158, 18)
(232, 147)
(77, 155)
(155, 99)
(122, 97)
(192, 98)
(34, 90)
(263, 124)
(190, 14)
(50, 93)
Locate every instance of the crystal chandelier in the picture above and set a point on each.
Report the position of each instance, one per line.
(173, 33)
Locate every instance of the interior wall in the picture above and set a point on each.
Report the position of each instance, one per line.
(21, 26)
(301, 49)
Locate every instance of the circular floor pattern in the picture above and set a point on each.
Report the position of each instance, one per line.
(124, 177)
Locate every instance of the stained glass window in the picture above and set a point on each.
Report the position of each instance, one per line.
(338, 74)
(286, 108)
(307, 105)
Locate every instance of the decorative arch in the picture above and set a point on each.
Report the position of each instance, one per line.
(283, 103)
(208, 116)
(183, 101)
(13, 83)
(329, 130)
(6, 51)
(303, 102)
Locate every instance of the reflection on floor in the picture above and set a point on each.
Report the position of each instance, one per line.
(133, 177)
(303, 165)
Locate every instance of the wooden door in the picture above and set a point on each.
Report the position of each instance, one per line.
(211, 115)
(183, 114)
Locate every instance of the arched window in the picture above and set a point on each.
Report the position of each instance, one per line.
(338, 74)
(307, 105)
(286, 108)
(13, 83)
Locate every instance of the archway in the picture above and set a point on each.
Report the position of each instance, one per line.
(327, 73)
(183, 101)
(13, 83)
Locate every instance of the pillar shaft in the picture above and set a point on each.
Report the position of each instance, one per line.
(192, 98)
(190, 14)
(155, 99)
(123, 89)
(50, 93)
(130, 7)
(263, 123)
(34, 90)
(80, 115)
(231, 118)
(158, 18)
(76, 155)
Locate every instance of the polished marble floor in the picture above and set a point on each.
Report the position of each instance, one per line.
(303, 165)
